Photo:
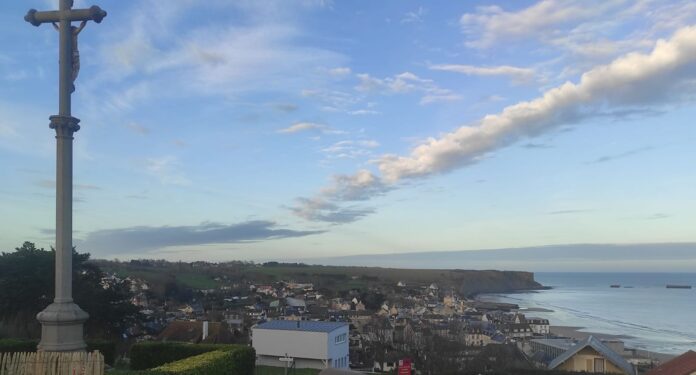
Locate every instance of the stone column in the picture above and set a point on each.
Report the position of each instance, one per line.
(62, 321)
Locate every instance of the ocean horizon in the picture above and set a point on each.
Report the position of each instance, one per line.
(643, 310)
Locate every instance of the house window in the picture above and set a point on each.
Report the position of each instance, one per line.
(340, 338)
(599, 365)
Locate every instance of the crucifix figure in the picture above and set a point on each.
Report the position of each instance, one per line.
(75, 31)
(62, 321)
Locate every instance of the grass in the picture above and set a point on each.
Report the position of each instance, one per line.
(268, 370)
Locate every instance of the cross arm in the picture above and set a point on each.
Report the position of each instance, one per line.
(94, 13)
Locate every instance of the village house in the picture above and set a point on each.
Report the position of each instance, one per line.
(517, 330)
(591, 355)
(539, 326)
(476, 337)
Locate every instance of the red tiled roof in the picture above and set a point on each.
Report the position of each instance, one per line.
(685, 364)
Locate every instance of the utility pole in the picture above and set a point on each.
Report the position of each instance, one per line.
(62, 321)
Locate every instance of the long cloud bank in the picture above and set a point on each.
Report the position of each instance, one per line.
(145, 238)
(632, 82)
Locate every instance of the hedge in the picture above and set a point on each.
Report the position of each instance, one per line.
(17, 345)
(225, 360)
(237, 361)
(107, 348)
(149, 354)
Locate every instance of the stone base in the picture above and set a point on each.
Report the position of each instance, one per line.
(62, 328)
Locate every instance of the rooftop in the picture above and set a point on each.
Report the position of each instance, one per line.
(601, 348)
(685, 364)
(306, 326)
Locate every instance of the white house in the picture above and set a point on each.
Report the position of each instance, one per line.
(310, 344)
(539, 326)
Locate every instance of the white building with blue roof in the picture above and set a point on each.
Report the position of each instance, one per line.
(307, 344)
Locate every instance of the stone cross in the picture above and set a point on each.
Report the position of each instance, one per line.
(62, 321)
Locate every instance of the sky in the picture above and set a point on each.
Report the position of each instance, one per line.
(259, 130)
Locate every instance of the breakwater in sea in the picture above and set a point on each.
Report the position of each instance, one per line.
(647, 314)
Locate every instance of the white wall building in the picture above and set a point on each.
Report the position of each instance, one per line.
(311, 344)
(539, 326)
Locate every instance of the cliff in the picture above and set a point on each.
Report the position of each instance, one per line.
(475, 282)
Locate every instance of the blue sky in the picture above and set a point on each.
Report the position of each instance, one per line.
(224, 130)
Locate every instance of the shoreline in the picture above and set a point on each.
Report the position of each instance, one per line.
(577, 332)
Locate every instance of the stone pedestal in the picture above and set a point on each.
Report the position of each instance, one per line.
(62, 328)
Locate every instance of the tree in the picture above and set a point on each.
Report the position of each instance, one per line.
(27, 287)
(26, 282)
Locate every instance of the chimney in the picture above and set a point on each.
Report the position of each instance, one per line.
(205, 330)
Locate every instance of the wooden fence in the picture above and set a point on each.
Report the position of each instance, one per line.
(52, 363)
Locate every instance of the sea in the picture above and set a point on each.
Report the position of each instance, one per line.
(648, 315)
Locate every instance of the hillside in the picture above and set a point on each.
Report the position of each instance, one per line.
(202, 275)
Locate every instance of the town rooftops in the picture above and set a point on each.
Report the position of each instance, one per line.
(186, 331)
(685, 364)
(306, 326)
(599, 346)
(563, 344)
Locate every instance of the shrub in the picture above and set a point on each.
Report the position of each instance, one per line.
(219, 362)
(106, 348)
(17, 345)
(227, 360)
(150, 354)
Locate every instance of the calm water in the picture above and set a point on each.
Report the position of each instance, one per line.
(655, 318)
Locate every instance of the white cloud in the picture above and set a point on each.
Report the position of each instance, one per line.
(300, 127)
(636, 81)
(325, 206)
(350, 149)
(490, 24)
(167, 169)
(340, 72)
(333, 100)
(215, 58)
(414, 16)
(403, 83)
(361, 112)
(633, 80)
(319, 209)
(516, 73)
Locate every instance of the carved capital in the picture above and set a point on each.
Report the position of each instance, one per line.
(65, 126)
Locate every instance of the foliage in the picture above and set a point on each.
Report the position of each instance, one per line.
(105, 347)
(150, 354)
(238, 361)
(16, 345)
(196, 281)
(26, 288)
(26, 284)
(223, 359)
